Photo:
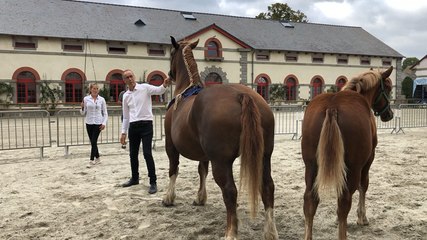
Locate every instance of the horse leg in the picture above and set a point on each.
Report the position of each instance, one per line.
(201, 194)
(311, 201)
(169, 198)
(267, 195)
(344, 206)
(363, 187)
(344, 203)
(223, 175)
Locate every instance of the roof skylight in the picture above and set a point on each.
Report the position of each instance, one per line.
(188, 16)
(286, 24)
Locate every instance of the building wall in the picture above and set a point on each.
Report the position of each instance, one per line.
(421, 69)
(238, 65)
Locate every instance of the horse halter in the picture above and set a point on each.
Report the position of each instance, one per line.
(380, 96)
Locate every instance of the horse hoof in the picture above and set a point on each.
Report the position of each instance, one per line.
(166, 204)
(195, 203)
(363, 222)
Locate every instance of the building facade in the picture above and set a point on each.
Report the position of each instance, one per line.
(68, 44)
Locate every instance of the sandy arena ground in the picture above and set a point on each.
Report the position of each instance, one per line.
(59, 198)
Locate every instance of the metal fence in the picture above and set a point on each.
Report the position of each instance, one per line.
(32, 129)
(392, 124)
(412, 116)
(25, 129)
(71, 128)
(288, 119)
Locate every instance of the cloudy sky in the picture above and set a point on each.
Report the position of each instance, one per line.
(401, 24)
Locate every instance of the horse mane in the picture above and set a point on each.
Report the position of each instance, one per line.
(191, 64)
(363, 82)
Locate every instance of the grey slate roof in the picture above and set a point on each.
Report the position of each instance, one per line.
(81, 20)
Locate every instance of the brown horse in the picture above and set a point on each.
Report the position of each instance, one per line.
(218, 124)
(338, 144)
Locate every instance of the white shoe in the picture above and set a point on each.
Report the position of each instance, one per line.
(91, 163)
(97, 161)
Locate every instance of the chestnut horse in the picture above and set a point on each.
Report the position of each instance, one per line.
(217, 124)
(339, 137)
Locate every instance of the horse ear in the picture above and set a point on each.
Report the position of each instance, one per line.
(194, 44)
(387, 73)
(174, 43)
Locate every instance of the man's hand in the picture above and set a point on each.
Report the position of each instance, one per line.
(123, 139)
(102, 127)
(166, 82)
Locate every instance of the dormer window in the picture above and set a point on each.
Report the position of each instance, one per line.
(139, 23)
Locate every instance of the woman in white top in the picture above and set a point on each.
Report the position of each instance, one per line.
(95, 108)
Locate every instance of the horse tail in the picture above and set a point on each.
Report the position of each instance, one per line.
(252, 151)
(331, 174)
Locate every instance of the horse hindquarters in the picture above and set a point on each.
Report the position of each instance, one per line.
(324, 165)
(331, 168)
(330, 156)
(255, 163)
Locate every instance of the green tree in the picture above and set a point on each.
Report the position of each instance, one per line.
(7, 90)
(105, 93)
(277, 92)
(50, 96)
(409, 62)
(281, 11)
(407, 85)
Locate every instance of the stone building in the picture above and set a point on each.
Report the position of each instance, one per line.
(68, 44)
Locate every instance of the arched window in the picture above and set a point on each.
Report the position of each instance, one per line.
(156, 78)
(262, 86)
(340, 83)
(73, 87)
(116, 86)
(213, 49)
(213, 78)
(26, 87)
(316, 87)
(291, 88)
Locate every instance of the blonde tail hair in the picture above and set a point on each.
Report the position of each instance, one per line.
(331, 174)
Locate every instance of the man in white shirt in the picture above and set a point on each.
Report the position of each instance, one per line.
(138, 122)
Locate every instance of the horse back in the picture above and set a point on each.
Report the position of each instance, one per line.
(225, 99)
(354, 118)
(217, 112)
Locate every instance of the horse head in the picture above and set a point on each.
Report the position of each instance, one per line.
(381, 105)
(183, 66)
(375, 86)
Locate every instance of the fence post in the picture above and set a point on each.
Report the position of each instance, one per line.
(66, 150)
(41, 153)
